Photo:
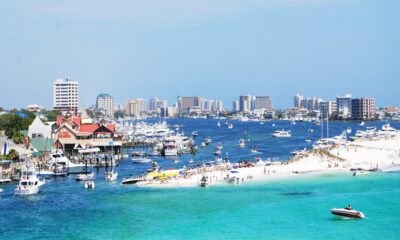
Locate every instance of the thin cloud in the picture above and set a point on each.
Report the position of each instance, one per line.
(156, 11)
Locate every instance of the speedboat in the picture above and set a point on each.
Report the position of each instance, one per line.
(362, 123)
(217, 151)
(132, 180)
(241, 143)
(348, 130)
(308, 140)
(360, 172)
(219, 124)
(203, 145)
(230, 126)
(89, 185)
(344, 212)
(85, 176)
(141, 160)
(273, 125)
(194, 133)
(282, 133)
(207, 141)
(29, 183)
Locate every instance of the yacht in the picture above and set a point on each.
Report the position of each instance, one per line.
(170, 147)
(29, 183)
(299, 153)
(282, 133)
(59, 161)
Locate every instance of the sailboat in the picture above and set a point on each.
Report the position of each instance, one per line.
(111, 175)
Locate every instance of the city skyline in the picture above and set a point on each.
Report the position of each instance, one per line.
(215, 49)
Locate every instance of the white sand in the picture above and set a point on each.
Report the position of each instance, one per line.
(367, 154)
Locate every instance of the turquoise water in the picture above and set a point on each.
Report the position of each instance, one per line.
(295, 208)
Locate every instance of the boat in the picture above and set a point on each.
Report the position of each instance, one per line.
(273, 125)
(348, 130)
(362, 123)
(234, 178)
(1, 190)
(141, 160)
(204, 181)
(345, 212)
(255, 150)
(132, 180)
(261, 123)
(241, 142)
(89, 185)
(85, 176)
(29, 183)
(230, 126)
(5, 180)
(203, 145)
(194, 133)
(299, 153)
(207, 141)
(217, 151)
(282, 133)
(111, 176)
(310, 130)
(308, 140)
(170, 146)
(219, 124)
(360, 172)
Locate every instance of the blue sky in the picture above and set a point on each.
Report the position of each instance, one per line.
(219, 49)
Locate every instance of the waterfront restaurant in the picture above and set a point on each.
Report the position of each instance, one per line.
(72, 135)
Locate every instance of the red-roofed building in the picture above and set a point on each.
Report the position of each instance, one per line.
(72, 135)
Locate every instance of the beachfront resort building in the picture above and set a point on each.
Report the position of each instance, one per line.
(327, 108)
(65, 95)
(135, 107)
(156, 104)
(189, 104)
(106, 103)
(344, 106)
(245, 103)
(262, 102)
(363, 108)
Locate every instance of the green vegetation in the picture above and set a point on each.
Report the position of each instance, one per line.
(12, 123)
(119, 114)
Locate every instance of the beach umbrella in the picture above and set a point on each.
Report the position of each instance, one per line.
(5, 148)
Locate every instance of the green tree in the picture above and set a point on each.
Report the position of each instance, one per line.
(11, 123)
(12, 154)
(119, 114)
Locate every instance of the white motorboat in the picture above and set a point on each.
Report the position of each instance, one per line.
(194, 133)
(360, 172)
(59, 160)
(282, 133)
(207, 141)
(299, 153)
(362, 123)
(217, 151)
(230, 126)
(310, 130)
(85, 176)
(29, 183)
(1, 190)
(345, 212)
(132, 180)
(89, 184)
(142, 160)
(111, 176)
(348, 130)
(203, 145)
(273, 125)
(241, 142)
(219, 124)
(261, 123)
(308, 140)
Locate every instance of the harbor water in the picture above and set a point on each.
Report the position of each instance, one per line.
(295, 208)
